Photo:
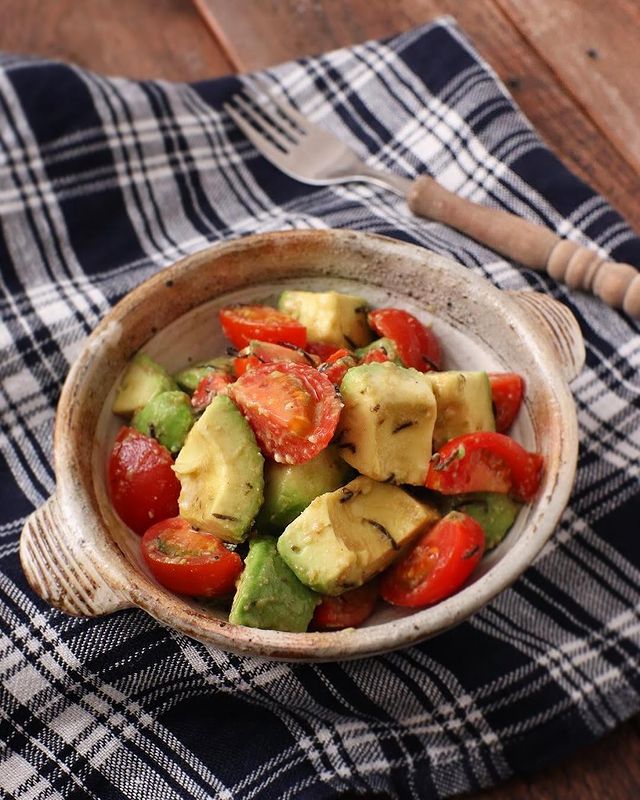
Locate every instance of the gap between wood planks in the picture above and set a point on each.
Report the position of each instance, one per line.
(253, 38)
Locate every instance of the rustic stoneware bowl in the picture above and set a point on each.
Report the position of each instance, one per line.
(80, 558)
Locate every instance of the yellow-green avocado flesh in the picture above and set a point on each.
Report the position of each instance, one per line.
(346, 537)
(220, 472)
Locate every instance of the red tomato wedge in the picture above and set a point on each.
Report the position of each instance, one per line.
(336, 366)
(321, 349)
(257, 353)
(189, 561)
(292, 408)
(485, 462)
(417, 345)
(348, 610)
(507, 389)
(212, 384)
(241, 324)
(437, 566)
(143, 486)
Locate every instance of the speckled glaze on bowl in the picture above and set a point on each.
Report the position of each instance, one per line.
(80, 558)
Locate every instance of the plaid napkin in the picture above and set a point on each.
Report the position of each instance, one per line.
(105, 181)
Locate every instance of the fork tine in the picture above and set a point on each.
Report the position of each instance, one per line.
(265, 122)
(301, 122)
(262, 144)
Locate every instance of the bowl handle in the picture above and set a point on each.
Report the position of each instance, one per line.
(61, 569)
(559, 326)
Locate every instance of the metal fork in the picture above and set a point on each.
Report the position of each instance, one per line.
(300, 148)
(308, 153)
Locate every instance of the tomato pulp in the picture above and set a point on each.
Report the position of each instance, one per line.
(241, 324)
(507, 389)
(143, 486)
(485, 462)
(418, 346)
(437, 566)
(188, 561)
(292, 408)
(346, 610)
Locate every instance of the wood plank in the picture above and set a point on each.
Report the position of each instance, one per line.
(141, 39)
(598, 64)
(254, 39)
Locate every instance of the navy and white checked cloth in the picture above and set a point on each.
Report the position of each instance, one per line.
(105, 181)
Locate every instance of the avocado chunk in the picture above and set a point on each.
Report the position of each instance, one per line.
(289, 488)
(143, 379)
(269, 595)
(495, 512)
(331, 317)
(387, 346)
(189, 378)
(167, 417)
(344, 538)
(464, 404)
(386, 424)
(220, 472)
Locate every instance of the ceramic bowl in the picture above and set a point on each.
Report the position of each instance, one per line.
(79, 556)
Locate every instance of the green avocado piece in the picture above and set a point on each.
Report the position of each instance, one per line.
(495, 512)
(143, 379)
(189, 378)
(220, 472)
(388, 346)
(344, 538)
(387, 422)
(167, 417)
(464, 403)
(269, 595)
(289, 488)
(331, 317)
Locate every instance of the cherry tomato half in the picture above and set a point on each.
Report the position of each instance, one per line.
(437, 566)
(337, 365)
(417, 345)
(189, 561)
(212, 384)
(143, 486)
(347, 610)
(292, 408)
(507, 389)
(485, 462)
(257, 353)
(321, 349)
(241, 324)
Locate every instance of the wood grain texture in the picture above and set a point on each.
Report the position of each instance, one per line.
(139, 39)
(164, 38)
(254, 38)
(599, 63)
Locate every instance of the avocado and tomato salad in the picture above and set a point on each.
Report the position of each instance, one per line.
(325, 464)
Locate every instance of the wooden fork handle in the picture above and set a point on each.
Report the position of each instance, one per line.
(530, 244)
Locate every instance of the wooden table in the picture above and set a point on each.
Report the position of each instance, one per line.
(572, 65)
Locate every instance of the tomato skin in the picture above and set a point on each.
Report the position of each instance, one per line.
(486, 462)
(347, 610)
(321, 349)
(212, 384)
(241, 324)
(507, 390)
(292, 408)
(437, 565)
(337, 365)
(142, 483)
(266, 353)
(418, 346)
(188, 561)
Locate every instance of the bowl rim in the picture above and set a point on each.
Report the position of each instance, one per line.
(144, 593)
